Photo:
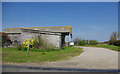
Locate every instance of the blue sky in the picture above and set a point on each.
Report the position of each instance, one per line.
(89, 20)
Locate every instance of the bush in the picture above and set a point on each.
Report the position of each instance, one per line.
(5, 44)
(117, 43)
(38, 43)
(48, 49)
(63, 47)
(34, 43)
(76, 41)
(25, 43)
(83, 42)
(51, 47)
(113, 39)
(112, 42)
(20, 47)
(93, 42)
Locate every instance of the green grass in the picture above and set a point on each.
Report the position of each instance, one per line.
(112, 47)
(17, 56)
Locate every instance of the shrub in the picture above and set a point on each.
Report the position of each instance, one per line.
(48, 49)
(76, 41)
(38, 43)
(6, 44)
(93, 42)
(51, 47)
(83, 42)
(113, 39)
(117, 43)
(25, 43)
(20, 47)
(43, 53)
(63, 47)
(111, 42)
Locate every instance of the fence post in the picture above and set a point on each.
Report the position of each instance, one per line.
(28, 48)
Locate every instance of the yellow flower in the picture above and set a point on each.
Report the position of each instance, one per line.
(25, 43)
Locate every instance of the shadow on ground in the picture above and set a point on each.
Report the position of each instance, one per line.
(14, 68)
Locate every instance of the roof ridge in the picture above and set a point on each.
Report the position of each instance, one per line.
(50, 27)
(42, 27)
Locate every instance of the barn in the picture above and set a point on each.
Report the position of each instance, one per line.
(54, 35)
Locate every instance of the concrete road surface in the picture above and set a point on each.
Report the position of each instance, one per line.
(92, 59)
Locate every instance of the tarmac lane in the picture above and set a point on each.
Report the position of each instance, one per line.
(16, 68)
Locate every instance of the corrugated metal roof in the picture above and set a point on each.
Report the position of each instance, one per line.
(50, 28)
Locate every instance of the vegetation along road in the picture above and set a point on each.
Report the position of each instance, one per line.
(92, 59)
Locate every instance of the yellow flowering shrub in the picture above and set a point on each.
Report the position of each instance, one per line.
(34, 43)
(25, 43)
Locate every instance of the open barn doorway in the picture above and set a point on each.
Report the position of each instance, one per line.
(67, 40)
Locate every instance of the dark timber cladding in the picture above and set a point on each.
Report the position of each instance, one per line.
(51, 35)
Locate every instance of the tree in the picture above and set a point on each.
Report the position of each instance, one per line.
(113, 38)
(83, 42)
(76, 41)
(93, 42)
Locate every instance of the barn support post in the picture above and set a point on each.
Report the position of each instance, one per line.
(69, 40)
(69, 37)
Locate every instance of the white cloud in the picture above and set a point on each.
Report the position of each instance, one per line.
(95, 27)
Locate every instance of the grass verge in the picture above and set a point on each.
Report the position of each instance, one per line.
(13, 55)
(111, 47)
